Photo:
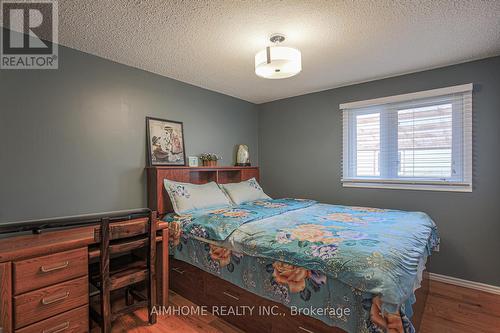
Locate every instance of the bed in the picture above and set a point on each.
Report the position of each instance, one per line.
(298, 265)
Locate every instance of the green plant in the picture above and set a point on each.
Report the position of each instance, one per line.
(210, 157)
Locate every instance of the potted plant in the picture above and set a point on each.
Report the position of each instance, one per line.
(209, 159)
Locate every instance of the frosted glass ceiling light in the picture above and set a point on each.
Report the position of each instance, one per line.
(278, 62)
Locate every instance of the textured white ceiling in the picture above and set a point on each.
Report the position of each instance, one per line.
(212, 43)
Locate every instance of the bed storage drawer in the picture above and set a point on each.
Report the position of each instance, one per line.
(301, 324)
(221, 292)
(39, 272)
(224, 296)
(186, 280)
(50, 301)
(73, 321)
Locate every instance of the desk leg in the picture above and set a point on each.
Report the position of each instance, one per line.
(162, 264)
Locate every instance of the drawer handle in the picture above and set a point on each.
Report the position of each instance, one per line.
(178, 270)
(232, 296)
(54, 268)
(305, 329)
(47, 301)
(58, 328)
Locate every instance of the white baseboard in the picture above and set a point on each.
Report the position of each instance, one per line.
(465, 283)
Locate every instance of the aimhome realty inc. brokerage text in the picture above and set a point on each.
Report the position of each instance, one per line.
(248, 310)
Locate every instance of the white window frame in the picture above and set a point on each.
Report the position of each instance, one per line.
(407, 184)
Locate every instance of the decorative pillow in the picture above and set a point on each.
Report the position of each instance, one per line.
(186, 196)
(247, 190)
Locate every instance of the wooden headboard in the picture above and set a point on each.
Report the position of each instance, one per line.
(158, 199)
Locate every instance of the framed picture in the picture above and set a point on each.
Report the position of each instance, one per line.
(193, 161)
(165, 140)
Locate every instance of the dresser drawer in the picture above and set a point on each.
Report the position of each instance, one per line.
(50, 301)
(35, 273)
(73, 321)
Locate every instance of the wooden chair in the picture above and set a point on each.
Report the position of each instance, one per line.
(115, 273)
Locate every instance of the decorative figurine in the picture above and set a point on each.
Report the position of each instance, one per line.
(242, 156)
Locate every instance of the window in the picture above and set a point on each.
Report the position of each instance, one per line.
(420, 141)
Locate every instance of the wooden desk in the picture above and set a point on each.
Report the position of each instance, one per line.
(24, 248)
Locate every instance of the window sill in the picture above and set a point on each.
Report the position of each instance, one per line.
(409, 186)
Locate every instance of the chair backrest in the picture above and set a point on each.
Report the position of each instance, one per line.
(121, 236)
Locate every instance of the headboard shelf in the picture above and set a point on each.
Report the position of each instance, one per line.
(203, 168)
(157, 197)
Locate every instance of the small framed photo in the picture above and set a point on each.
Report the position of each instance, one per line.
(165, 141)
(193, 161)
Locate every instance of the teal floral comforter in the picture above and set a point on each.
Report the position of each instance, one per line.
(373, 251)
(218, 224)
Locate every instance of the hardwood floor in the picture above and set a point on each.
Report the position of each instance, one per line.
(137, 322)
(449, 309)
(452, 309)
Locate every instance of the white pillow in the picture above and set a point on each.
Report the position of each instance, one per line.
(186, 196)
(247, 190)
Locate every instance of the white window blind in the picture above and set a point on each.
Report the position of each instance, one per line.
(421, 140)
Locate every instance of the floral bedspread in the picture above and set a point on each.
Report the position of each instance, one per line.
(373, 251)
(219, 223)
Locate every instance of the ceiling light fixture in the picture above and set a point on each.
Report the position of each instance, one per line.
(278, 62)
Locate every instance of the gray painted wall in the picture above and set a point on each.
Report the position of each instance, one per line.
(300, 152)
(73, 140)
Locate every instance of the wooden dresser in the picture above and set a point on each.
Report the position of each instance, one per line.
(44, 278)
(46, 293)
